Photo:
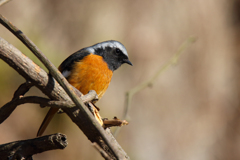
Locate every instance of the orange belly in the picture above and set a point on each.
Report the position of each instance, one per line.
(91, 73)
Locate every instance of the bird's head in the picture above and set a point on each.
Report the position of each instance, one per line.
(113, 52)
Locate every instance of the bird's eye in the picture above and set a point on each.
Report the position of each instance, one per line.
(118, 51)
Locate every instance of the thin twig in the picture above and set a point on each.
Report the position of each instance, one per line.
(114, 122)
(42, 102)
(18, 99)
(173, 60)
(39, 100)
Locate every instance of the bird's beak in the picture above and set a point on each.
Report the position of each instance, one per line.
(127, 61)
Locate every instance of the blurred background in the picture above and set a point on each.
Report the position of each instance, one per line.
(190, 112)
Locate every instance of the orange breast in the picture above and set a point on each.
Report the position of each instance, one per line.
(91, 73)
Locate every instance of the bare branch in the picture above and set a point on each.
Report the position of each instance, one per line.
(22, 89)
(114, 122)
(7, 109)
(18, 99)
(26, 148)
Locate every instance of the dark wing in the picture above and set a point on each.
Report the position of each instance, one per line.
(68, 63)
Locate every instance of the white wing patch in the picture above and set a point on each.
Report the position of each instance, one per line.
(66, 73)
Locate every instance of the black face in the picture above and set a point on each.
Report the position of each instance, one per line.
(114, 57)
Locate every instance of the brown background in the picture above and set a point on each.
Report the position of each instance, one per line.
(191, 111)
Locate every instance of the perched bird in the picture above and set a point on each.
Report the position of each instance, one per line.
(90, 68)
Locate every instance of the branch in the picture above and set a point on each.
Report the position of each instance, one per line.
(80, 108)
(25, 149)
(6, 110)
(22, 90)
(114, 122)
(173, 60)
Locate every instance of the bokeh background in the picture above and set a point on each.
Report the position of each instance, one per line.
(190, 112)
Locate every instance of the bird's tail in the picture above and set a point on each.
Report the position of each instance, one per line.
(46, 121)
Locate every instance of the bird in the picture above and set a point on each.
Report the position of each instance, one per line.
(90, 68)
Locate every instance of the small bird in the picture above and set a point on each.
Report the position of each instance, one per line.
(90, 68)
